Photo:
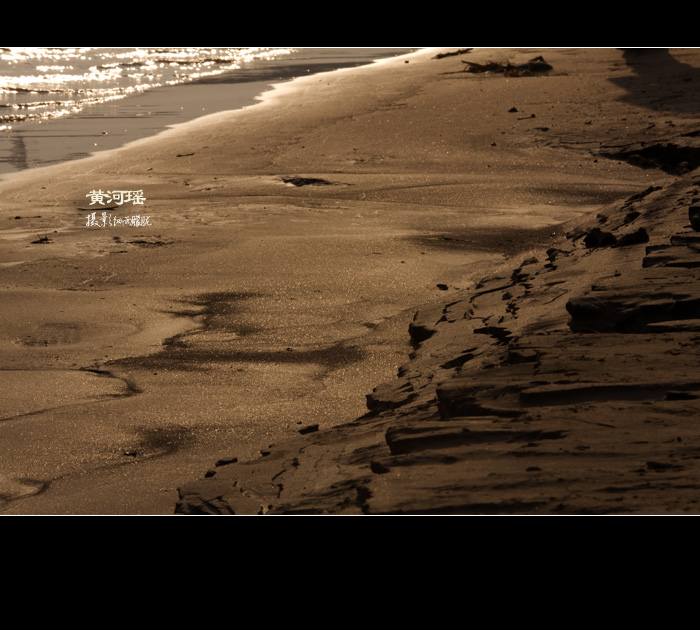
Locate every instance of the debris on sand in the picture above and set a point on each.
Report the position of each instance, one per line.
(453, 53)
(306, 181)
(536, 65)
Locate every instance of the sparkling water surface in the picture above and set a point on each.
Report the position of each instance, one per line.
(59, 104)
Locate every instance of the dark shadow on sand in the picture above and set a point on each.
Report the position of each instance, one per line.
(223, 313)
(508, 241)
(659, 80)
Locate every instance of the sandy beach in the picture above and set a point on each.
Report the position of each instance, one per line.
(390, 289)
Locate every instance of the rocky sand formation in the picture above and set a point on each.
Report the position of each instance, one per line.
(565, 385)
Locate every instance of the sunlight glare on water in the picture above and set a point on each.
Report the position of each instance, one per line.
(45, 83)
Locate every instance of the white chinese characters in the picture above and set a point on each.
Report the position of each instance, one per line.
(118, 197)
(104, 220)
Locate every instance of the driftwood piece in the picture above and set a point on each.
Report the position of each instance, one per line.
(536, 65)
(453, 53)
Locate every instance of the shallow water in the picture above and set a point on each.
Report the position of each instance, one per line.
(59, 104)
(48, 83)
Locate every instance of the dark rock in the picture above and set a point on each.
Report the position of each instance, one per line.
(310, 429)
(522, 355)
(635, 238)
(679, 395)
(694, 216)
(306, 181)
(442, 287)
(591, 313)
(378, 468)
(597, 238)
(227, 461)
(674, 157)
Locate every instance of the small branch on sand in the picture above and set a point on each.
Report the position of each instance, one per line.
(461, 51)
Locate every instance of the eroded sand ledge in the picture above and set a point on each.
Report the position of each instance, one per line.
(567, 386)
(294, 301)
(564, 384)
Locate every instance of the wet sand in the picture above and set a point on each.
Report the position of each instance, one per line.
(290, 246)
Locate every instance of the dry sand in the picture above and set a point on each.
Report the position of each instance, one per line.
(133, 359)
